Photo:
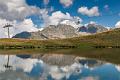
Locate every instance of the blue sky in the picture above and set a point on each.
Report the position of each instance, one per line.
(109, 10)
(33, 15)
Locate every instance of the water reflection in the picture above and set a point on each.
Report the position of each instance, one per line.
(56, 67)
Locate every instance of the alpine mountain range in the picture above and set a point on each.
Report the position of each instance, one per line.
(65, 29)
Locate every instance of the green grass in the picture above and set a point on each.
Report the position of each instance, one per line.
(110, 38)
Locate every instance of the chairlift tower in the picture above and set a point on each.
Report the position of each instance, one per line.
(8, 27)
(7, 66)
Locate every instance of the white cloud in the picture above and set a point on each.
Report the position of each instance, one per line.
(17, 9)
(66, 3)
(27, 65)
(15, 12)
(18, 63)
(58, 72)
(117, 25)
(117, 67)
(25, 25)
(94, 11)
(75, 22)
(58, 17)
(92, 22)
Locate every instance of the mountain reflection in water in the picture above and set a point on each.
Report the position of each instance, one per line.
(56, 67)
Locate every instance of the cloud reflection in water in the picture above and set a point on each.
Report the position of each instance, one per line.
(38, 69)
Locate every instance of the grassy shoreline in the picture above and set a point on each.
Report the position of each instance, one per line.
(108, 55)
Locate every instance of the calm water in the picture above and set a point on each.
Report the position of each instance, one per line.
(55, 67)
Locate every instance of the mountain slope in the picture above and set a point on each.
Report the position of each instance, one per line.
(62, 31)
(92, 28)
(59, 31)
(95, 28)
(24, 35)
(50, 32)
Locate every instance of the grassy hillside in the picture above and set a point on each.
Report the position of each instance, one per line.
(110, 38)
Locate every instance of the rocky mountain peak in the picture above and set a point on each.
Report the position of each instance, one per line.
(52, 32)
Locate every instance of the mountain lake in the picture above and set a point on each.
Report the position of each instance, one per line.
(55, 66)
